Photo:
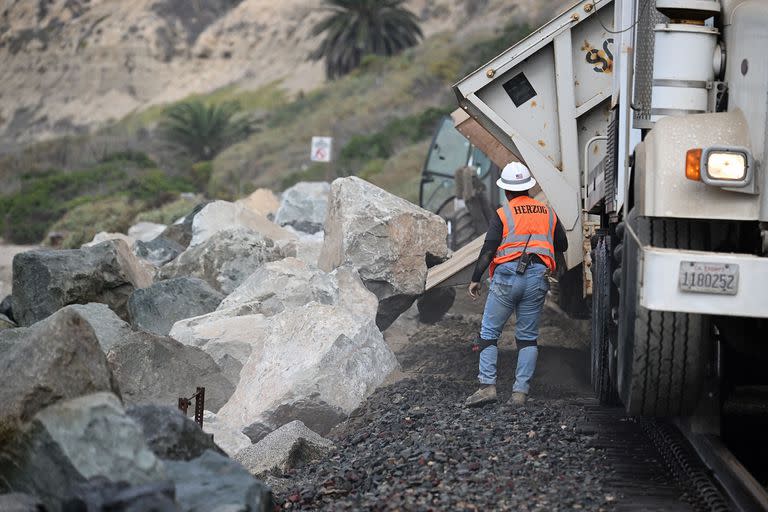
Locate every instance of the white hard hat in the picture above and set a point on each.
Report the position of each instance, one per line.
(515, 177)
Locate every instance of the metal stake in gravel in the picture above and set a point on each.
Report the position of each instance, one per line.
(199, 397)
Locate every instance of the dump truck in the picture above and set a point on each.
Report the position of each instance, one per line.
(644, 122)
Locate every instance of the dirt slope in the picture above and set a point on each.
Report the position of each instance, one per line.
(69, 65)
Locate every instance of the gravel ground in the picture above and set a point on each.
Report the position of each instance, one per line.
(413, 446)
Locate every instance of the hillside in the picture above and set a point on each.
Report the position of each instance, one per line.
(381, 117)
(71, 65)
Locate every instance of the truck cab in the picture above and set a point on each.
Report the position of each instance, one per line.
(644, 123)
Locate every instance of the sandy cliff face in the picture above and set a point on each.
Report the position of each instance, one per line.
(69, 65)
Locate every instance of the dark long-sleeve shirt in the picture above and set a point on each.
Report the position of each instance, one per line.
(493, 240)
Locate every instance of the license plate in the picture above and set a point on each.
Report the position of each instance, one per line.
(720, 278)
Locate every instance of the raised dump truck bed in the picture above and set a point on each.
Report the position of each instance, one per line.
(547, 100)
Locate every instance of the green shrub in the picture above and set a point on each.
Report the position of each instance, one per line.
(169, 212)
(383, 144)
(483, 51)
(111, 214)
(372, 168)
(201, 174)
(315, 172)
(26, 216)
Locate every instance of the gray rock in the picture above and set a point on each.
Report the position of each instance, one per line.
(110, 330)
(290, 446)
(56, 359)
(169, 434)
(220, 215)
(158, 307)
(155, 369)
(304, 206)
(158, 251)
(315, 362)
(6, 323)
(283, 284)
(225, 259)
(146, 231)
(104, 236)
(73, 441)
(44, 281)
(6, 307)
(308, 246)
(227, 438)
(215, 483)
(101, 494)
(242, 321)
(387, 239)
(19, 502)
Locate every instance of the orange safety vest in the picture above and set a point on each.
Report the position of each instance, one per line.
(525, 217)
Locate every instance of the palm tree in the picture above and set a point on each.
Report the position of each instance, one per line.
(203, 130)
(355, 28)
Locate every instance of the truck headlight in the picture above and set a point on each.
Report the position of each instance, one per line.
(723, 166)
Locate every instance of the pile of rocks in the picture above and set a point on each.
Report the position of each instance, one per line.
(226, 299)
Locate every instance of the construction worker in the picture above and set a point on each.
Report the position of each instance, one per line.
(520, 248)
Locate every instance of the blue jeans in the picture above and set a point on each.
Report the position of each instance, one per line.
(523, 295)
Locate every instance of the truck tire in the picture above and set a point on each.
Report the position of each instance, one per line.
(570, 293)
(663, 356)
(600, 345)
(462, 229)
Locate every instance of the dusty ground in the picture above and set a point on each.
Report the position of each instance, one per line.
(414, 446)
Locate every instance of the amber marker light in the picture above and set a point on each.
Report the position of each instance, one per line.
(693, 164)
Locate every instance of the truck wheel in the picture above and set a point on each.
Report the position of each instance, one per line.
(462, 229)
(600, 346)
(570, 296)
(435, 303)
(663, 355)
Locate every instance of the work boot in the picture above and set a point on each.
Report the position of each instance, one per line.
(518, 399)
(482, 396)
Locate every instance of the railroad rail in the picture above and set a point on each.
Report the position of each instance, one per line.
(744, 493)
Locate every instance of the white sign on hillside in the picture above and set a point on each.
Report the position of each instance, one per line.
(321, 149)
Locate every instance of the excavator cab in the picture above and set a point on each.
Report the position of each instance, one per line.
(457, 184)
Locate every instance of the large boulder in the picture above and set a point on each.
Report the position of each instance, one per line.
(308, 246)
(290, 446)
(6, 307)
(242, 320)
(45, 281)
(229, 439)
(56, 359)
(225, 259)
(73, 441)
(158, 307)
(308, 342)
(159, 250)
(220, 215)
(103, 236)
(304, 206)
(20, 502)
(152, 369)
(146, 231)
(6, 323)
(317, 363)
(215, 483)
(110, 329)
(169, 434)
(102, 494)
(389, 240)
(262, 201)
